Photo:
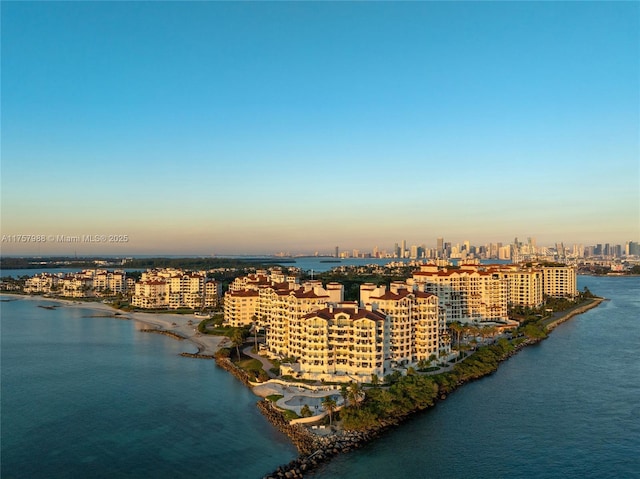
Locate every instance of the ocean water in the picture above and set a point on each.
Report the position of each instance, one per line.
(92, 397)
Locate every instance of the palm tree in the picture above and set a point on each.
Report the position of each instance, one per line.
(344, 392)
(456, 328)
(483, 331)
(492, 331)
(329, 404)
(237, 339)
(255, 331)
(355, 394)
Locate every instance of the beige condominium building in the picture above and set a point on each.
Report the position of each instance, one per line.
(151, 294)
(324, 337)
(417, 331)
(172, 288)
(342, 343)
(86, 283)
(114, 281)
(524, 286)
(528, 284)
(560, 281)
(240, 307)
(467, 294)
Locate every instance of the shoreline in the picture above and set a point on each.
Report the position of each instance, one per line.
(566, 316)
(314, 450)
(173, 325)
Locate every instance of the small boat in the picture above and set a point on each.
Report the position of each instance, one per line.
(203, 315)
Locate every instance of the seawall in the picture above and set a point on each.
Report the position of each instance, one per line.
(574, 312)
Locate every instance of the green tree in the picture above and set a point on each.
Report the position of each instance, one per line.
(237, 339)
(329, 404)
(534, 331)
(255, 332)
(222, 353)
(355, 394)
(457, 330)
(305, 411)
(344, 392)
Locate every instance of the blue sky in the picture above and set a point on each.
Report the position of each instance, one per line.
(222, 128)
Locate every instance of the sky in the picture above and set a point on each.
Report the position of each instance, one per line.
(255, 128)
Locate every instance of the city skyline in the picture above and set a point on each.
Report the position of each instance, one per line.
(233, 128)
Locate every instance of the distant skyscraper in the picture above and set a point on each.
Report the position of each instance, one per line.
(439, 247)
(337, 252)
(404, 249)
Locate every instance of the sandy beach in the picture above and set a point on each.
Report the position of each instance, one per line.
(174, 323)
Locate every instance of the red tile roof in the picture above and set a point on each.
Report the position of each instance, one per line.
(361, 313)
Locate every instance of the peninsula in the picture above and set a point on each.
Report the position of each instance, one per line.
(335, 370)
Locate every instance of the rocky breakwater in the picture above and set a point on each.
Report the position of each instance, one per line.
(305, 441)
(314, 450)
(173, 335)
(227, 365)
(197, 355)
(165, 333)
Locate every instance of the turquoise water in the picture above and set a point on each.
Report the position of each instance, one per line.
(91, 397)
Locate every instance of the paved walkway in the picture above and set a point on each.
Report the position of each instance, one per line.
(266, 364)
(295, 397)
